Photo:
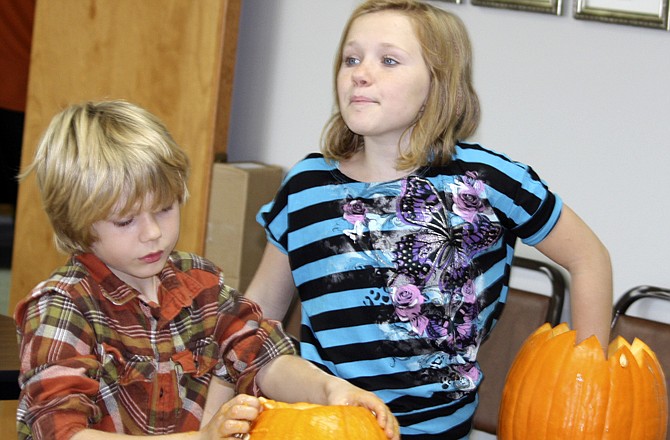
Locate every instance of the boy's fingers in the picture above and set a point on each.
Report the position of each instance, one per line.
(235, 428)
(244, 412)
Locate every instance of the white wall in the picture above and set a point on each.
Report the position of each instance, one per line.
(585, 103)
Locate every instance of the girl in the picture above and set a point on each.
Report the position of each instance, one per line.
(399, 236)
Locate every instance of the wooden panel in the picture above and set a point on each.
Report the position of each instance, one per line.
(174, 57)
(8, 418)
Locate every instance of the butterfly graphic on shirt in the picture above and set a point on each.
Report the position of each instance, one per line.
(441, 246)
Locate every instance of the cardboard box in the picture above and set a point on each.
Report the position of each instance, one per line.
(235, 241)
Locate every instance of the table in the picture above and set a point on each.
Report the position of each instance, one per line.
(9, 359)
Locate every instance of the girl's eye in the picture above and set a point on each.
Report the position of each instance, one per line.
(351, 61)
(389, 61)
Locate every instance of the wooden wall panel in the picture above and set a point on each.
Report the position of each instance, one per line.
(174, 57)
(8, 410)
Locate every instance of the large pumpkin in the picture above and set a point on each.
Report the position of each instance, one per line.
(306, 421)
(558, 390)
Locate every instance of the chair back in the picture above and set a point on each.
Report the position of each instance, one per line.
(653, 333)
(521, 315)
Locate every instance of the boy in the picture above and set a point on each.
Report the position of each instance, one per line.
(127, 336)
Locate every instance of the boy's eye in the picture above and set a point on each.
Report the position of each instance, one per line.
(170, 207)
(122, 223)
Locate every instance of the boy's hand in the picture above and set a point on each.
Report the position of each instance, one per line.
(341, 392)
(233, 420)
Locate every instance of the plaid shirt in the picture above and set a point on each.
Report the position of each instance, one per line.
(94, 355)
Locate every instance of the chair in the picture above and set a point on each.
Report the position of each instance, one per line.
(522, 314)
(9, 360)
(653, 333)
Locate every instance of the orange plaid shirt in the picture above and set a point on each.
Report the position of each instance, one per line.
(93, 355)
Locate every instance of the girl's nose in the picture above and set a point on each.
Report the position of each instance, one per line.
(361, 75)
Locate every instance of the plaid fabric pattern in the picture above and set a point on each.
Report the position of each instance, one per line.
(94, 355)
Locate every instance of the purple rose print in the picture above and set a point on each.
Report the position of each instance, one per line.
(468, 292)
(407, 301)
(467, 197)
(354, 211)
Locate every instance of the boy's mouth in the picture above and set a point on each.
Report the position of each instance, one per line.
(152, 257)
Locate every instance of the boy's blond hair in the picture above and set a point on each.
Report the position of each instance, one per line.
(451, 111)
(102, 158)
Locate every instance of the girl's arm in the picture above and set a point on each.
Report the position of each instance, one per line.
(272, 286)
(574, 246)
(278, 380)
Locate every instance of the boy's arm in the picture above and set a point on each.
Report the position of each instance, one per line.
(574, 246)
(218, 393)
(92, 434)
(234, 417)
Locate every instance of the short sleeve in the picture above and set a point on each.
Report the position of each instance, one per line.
(521, 199)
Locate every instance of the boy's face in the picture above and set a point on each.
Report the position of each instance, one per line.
(136, 247)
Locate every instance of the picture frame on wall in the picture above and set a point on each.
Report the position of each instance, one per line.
(545, 6)
(647, 13)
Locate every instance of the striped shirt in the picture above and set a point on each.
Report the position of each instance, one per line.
(94, 355)
(401, 281)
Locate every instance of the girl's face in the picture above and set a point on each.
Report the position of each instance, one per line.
(136, 247)
(383, 81)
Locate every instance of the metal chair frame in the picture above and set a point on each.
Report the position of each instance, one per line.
(635, 294)
(558, 285)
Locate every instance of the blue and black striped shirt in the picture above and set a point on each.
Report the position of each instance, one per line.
(400, 281)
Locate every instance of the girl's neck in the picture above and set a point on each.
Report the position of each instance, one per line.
(372, 165)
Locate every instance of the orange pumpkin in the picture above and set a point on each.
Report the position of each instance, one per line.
(306, 421)
(558, 390)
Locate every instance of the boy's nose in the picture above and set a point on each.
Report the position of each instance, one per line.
(151, 229)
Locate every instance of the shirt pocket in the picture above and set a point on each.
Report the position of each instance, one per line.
(199, 359)
(117, 369)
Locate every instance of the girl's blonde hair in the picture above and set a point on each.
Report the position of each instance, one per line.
(102, 158)
(451, 111)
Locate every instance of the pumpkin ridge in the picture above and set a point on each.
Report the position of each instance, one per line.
(656, 394)
(661, 390)
(619, 418)
(563, 348)
(520, 366)
(589, 363)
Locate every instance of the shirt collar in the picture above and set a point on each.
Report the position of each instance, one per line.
(177, 288)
